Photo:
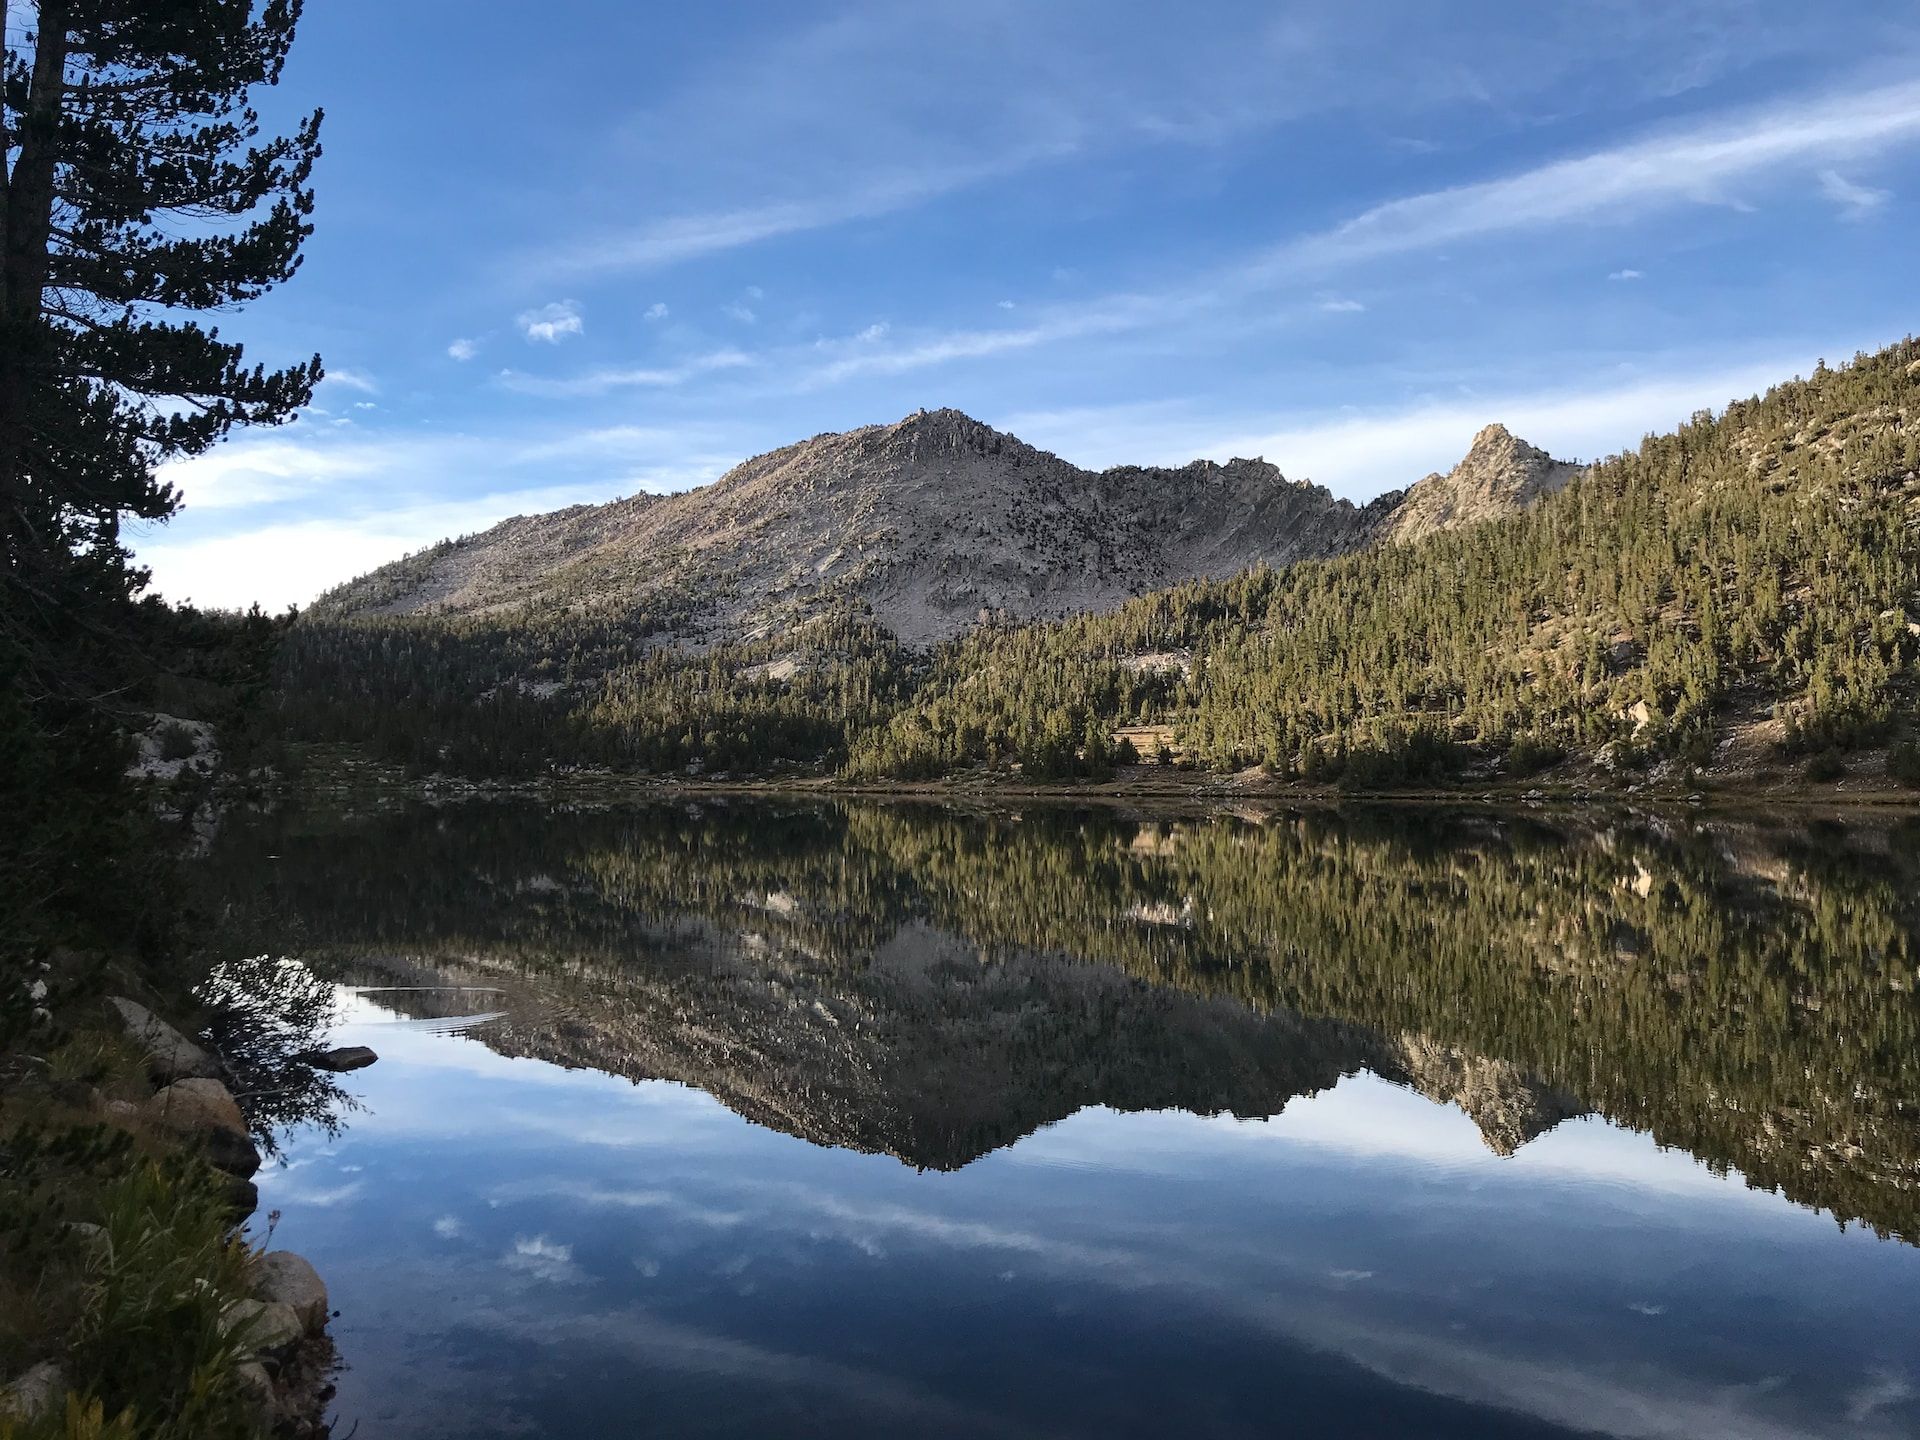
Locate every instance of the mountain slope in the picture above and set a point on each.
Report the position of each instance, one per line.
(1500, 474)
(934, 523)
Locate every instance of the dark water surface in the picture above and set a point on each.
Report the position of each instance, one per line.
(783, 1119)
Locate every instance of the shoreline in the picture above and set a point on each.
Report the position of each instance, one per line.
(175, 1154)
(348, 774)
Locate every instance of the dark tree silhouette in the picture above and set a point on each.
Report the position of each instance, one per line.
(136, 189)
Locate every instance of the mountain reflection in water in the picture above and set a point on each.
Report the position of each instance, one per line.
(1032, 1011)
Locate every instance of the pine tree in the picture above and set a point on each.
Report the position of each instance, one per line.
(136, 186)
(135, 189)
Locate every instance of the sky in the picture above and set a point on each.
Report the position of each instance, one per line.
(571, 253)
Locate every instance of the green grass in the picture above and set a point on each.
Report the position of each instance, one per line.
(131, 1312)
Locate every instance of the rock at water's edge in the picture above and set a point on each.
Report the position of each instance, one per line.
(342, 1058)
(205, 1110)
(282, 1277)
(262, 1326)
(170, 1055)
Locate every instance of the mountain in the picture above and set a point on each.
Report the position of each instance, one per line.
(934, 524)
(1738, 599)
(1500, 474)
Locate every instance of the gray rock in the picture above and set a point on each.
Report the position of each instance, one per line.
(170, 1055)
(205, 1111)
(342, 1058)
(262, 1326)
(257, 1386)
(288, 1279)
(35, 1394)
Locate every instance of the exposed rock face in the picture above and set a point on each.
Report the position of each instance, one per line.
(206, 1112)
(170, 1055)
(1508, 1106)
(1500, 474)
(935, 522)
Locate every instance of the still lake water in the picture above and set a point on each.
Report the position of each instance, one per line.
(744, 1119)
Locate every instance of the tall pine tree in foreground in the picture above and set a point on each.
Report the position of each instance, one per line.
(135, 189)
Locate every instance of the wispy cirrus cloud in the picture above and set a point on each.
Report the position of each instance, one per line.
(1856, 202)
(1693, 165)
(675, 238)
(1696, 164)
(640, 377)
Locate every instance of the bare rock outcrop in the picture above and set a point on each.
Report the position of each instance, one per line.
(1500, 474)
(933, 524)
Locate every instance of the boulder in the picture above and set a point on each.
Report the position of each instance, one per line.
(262, 1326)
(243, 1197)
(282, 1277)
(205, 1111)
(36, 1394)
(170, 1055)
(342, 1058)
(257, 1386)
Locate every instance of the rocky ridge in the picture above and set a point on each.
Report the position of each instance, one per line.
(934, 523)
(1500, 474)
(925, 1050)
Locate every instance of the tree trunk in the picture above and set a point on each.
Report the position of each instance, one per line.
(24, 259)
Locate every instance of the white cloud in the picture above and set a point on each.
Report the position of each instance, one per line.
(1625, 275)
(350, 380)
(1362, 454)
(542, 1258)
(601, 382)
(289, 562)
(1692, 165)
(1004, 304)
(657, 311)
(1856, 202)
(1342, 307)
(257, 471)
(686, 237)
(552, 323)
(1114, 314)
(876, 331)
(463, 349)
(740, 312)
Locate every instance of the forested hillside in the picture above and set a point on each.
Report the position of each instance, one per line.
(1744, 589)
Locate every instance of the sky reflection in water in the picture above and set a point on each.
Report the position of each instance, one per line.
(520, 1249)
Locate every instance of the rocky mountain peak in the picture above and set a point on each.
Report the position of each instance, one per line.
(1500, 473)
(931, 521)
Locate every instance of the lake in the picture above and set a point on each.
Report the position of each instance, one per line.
(758, 1118)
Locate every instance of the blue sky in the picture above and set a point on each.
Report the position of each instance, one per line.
(571, 253)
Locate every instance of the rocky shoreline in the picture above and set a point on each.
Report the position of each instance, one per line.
(278, 1326)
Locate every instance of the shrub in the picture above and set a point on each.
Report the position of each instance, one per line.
(1826, 765)
(1903, 763)
(177, 742)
